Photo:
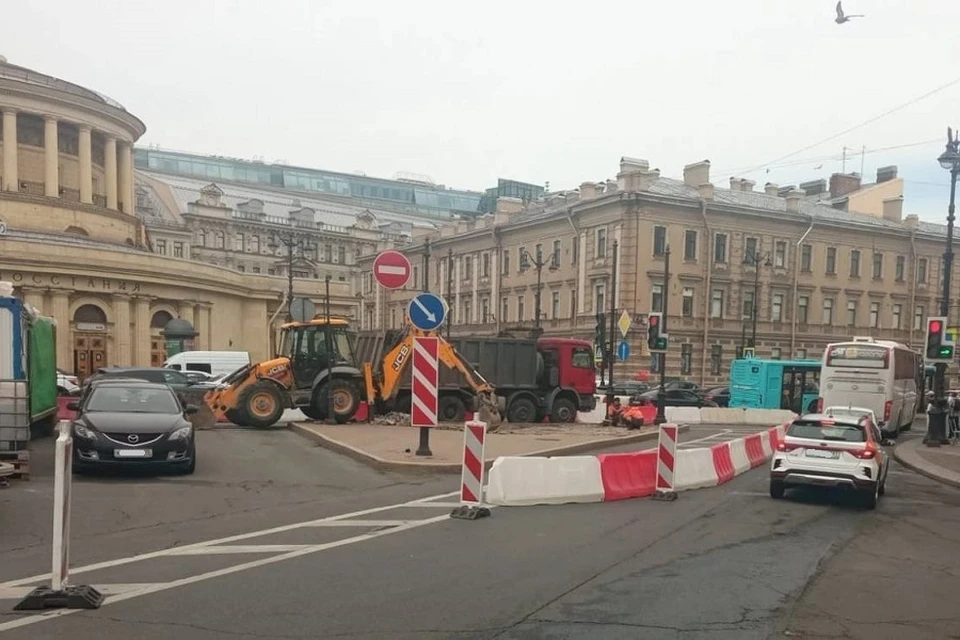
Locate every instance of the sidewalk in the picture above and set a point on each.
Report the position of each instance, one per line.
(940, 463)
(393, 447)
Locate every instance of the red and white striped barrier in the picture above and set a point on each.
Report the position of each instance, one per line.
(471, 478)
(666, 460)
(425, 380)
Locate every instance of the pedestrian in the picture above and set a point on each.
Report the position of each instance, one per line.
(953, 406)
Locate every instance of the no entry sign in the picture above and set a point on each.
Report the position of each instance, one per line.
(391, 269)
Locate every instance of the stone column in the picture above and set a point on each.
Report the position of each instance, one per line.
(35, 298)
(203, 327)
(60, 311)
(188, 312)
(618, 238)
(582, 274)
(475, 309)
(457, 311)
(10, 180)
(121, 326)
(86, 166)
(124, 165)
(110, 162)
(141, 332)
(51, 158)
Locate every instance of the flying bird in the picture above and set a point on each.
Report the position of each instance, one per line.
(842, 17)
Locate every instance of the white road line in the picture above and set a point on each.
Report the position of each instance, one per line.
(240, 548)
(370, 524)
(17, 593)
(243, 536)
(156, 588)
(440, 505)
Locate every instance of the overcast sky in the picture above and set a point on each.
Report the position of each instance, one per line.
(535, 91)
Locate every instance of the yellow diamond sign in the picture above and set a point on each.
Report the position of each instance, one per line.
(624, 323)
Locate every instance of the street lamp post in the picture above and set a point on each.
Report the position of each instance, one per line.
(295, 244)
(949, 160)
(754, 258)
(539, 262)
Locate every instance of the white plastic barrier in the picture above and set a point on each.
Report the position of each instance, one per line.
(765, 442)
(682, 415)
(695, 469)
(738, 455)
(523, 481)
(717, 415)
(760, 417)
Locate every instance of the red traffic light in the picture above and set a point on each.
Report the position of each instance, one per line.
(935, 326)
(653, 321)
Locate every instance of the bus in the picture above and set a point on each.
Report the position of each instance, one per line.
(875, 374)
(793, 385)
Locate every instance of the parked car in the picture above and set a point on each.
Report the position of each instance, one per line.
(125, 422)
(175, 379)
(682, 384)
(625, 388)
(200, 376)
(720, 395)
(678, 398)
(67, 384)
(842, 452)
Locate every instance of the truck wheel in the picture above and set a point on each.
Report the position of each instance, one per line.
(346, 398)
(521, 410)
(263, 404)
(452, 409)
(564, 410)
(237, 417)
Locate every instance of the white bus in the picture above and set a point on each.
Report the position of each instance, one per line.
(876, 374)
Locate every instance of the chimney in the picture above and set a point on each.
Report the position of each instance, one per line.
(509, 206)
(794, 198)
(588, 190)
(747, 185)
(783, 191)
(814, 187)
(843, 183)
(696, 174)
(885, 174)
(706, 191)
(629, 165)
(911, 221)
(771, 189)
(612, 186)
(893, 209)
(570, 196)
(734, 184)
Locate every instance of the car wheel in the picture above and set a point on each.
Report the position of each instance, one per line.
(564, 410)
(883, 487)
(870, 496)
(777, 489)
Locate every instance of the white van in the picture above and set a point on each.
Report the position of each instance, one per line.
(216, 363)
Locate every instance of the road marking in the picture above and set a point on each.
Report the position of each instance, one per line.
(364, 523)
(418, 504)
(18, 593)
(240, 548)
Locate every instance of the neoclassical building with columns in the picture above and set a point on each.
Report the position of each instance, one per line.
(72, 246)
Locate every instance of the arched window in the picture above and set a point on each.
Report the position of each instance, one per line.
(160, 319)
(90, 314)
(219, 241)
(76, 231)
(202, 238)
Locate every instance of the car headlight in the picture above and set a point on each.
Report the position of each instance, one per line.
(182, 433)
(84, 432)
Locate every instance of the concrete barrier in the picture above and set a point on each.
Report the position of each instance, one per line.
(739, 456)
(759, 417)
(525, 481)
(695, 469)
(628, 475)
(682, 415)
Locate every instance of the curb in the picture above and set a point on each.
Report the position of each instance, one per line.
(455, 467)
(912, 460)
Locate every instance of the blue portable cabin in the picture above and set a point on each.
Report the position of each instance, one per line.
(13, 355)
(775, 384)
(28, 366)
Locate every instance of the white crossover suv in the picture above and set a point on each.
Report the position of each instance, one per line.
(842, 452)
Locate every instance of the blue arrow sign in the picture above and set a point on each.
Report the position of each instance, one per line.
(623, 350)
(427, 311)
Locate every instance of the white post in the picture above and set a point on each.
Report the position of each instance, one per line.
(63, 476)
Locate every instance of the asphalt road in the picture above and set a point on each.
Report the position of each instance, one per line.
(721, 563)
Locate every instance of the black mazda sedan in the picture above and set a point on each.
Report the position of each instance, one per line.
(133, 423)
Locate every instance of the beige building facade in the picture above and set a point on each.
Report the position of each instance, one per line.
(814, 272)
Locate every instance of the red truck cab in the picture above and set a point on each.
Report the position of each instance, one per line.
(569, 377)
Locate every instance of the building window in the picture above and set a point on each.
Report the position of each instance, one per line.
(202, 238)
(393, 318)
(855, 263)
(874, 315)
(831, 269)
(485, 265)
(505, 263)
(716, 359)
(747, 310)
(686, 305)
(801, 354)
(504, 308)
(776, 308)
(803, 309)
(218, 240)
(484, 309)
(775, 353)
(690, 245)
(716, 303)
(655, 363)
(328, 254)
(555, 305)
(575, 252)
(686, 359)
(827, 318)
(241, 268)
(416, 277)
(523, 258)
(598, 297)
(467, 268)
(877, 265)
(177, 249)
(751, 251)
(851, 313)
(467, 311)
(255, 244)
(780, 254)
(256, 270)
(521, 308)
(901, 268)
(897, 314)
(720, 248)
(806, 258)
(659, 241)
(922, 271)
(656, 298)
(341, 255)
(918, 315)
(238, 242)
(601, 249)
(161, 247)
(555, 257)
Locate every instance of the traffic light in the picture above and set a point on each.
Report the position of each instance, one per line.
(656, 338)
(939, 348)
(601, 329)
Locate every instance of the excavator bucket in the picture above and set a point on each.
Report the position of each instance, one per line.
(490, 410)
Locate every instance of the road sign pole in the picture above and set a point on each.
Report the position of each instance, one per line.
(661, 410)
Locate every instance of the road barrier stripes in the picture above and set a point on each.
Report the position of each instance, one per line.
(666, 456)
(471, 477)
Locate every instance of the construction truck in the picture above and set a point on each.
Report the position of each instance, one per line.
(317, 372)
(533, 378)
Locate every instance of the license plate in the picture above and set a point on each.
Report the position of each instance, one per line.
(132, 453)
(817, 453)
